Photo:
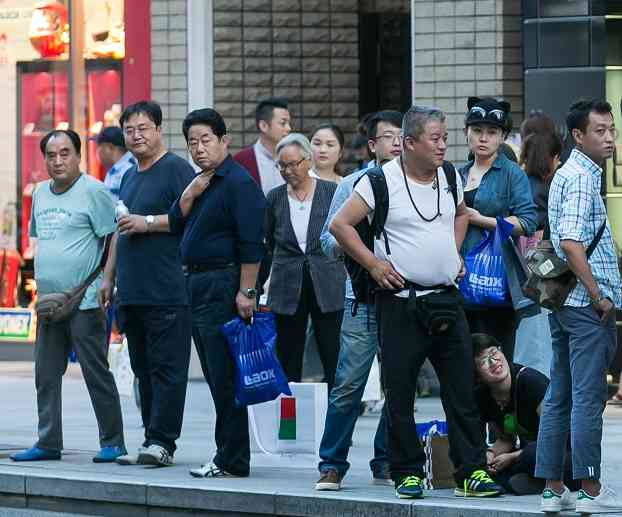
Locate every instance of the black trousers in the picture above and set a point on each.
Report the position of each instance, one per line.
(158, 339)
(291, 333)
(404, 346)
(526, 464)
(500, 323)
(212, 297)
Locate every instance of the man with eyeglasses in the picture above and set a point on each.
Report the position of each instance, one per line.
(509, 398)
(584, 331)
(415, 265)
(220, 218)
(359, 339)
(153, 305)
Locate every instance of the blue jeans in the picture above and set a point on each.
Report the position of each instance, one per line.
(359, 344)
(583, 348)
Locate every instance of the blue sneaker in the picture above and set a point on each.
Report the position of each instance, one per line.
(36, 454)
(410, 487)
(109, 454)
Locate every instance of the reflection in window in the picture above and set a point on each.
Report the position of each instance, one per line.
(564, 8)
(557, 37)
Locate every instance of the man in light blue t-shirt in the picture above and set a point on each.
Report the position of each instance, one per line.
(72, 214)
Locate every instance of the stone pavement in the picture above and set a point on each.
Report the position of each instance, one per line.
(279, 485)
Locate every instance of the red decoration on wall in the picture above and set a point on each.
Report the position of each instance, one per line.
(48, 28)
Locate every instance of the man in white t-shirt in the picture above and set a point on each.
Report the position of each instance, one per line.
(416, 264)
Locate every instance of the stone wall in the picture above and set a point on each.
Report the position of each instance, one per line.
(169, 68)
(305, 50)
(464, 48)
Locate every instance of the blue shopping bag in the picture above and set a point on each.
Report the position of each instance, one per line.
(485, 281)
(258, 374)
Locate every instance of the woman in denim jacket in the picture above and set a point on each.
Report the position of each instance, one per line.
(494, 187)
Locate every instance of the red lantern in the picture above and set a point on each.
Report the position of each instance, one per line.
(48, 28)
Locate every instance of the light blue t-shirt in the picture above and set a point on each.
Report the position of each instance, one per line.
(69, 228)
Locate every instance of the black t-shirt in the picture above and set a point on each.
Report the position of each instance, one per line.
(526, 396)
(149, 264)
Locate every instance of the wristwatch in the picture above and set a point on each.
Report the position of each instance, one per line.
(149, 219)
(249, 293)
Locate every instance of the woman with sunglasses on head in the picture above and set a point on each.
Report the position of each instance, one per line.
(494, 187)
(509, 398)
(304, 282)
(327, 144)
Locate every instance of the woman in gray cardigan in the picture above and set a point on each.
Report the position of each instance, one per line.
(304, 282)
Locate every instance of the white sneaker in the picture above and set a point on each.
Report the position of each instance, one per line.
(210, 470)
(155, 455)
(130, 459)
(552, 502)
(605, 502)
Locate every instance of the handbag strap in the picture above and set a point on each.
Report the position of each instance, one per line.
(590, 249)
(102, 263)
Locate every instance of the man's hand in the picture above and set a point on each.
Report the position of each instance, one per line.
(131, 224)
(462, 272)
(604, 309)
(385, 276)
(504, 461)
(245, 306)
(104, 294)
(198, 185)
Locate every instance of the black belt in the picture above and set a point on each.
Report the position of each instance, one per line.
(202, 268)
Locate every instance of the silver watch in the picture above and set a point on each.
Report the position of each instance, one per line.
(249, 293)
(150, 220)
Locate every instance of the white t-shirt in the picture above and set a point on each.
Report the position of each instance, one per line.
(299, 213)
(269, 175)
(422, 252)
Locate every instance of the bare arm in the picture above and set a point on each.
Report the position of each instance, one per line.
(343, 229)
(248, 280)
(461, 224)
(490, 223)
(105, 290)
(577, 260)
(131, 224)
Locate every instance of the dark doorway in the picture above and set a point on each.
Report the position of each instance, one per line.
(385, 54)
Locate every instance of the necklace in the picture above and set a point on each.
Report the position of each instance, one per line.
(435, 186)
(301, 201)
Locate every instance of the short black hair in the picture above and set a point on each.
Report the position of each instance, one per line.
(579, 113)
(483, 341)
(205, 116)
(265, 109)
(150, 108)
(336, 131)
(390, 116)
(69, 133)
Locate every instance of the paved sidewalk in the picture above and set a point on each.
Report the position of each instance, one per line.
(279, 485)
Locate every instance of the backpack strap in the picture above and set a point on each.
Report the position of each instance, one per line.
(450, 174)
(379, 187)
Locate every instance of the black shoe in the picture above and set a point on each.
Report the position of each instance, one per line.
(410, 487)
(479, 484)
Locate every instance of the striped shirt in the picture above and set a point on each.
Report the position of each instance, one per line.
(576, 212)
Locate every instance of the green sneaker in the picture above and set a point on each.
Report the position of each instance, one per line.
(410, 487)
(479, 484)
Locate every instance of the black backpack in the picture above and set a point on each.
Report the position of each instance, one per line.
(363, 284)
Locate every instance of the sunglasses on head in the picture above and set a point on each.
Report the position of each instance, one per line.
(477, 112)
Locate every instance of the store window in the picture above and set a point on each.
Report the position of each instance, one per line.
(38, 94)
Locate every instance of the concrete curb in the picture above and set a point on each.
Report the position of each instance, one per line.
(107, 495)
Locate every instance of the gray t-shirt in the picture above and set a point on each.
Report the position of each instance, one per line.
(69, 228)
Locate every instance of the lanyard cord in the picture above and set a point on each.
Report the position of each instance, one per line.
(438, 196)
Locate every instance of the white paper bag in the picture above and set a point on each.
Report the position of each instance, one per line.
(290, 425)
(119, 365)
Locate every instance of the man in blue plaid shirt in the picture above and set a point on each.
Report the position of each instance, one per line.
(584, 330)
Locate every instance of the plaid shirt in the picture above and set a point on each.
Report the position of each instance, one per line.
(576, 211)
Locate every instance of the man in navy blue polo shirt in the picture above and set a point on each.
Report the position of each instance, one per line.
(220, 216)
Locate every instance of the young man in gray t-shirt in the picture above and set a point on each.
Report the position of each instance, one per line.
(72, 214)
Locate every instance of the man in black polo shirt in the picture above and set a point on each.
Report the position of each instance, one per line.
(220, 215)
(153, 304)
